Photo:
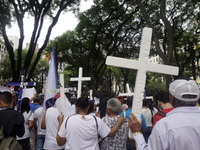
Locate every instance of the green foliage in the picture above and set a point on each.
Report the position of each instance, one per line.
(6, 73)
(113, 28)
(154, 86)
(5, 14)
(12, 10)
(108, 28)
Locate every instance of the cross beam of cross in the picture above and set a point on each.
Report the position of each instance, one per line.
(80, 79)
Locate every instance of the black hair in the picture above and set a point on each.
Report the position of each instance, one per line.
(91, 108)
(82, 102)
(151, 104)
(183, 103)
(130, 101)
(36, 99)
(73, 101)
(68, 95)
(25, 105)
(6, 97)
(162, 96)
(145, 103)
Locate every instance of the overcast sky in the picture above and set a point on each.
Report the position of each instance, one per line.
(67, 21)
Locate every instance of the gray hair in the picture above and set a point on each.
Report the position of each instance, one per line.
(114, 105)
(190, 104)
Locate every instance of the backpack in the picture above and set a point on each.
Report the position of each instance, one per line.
(162, 114)
(9, 143)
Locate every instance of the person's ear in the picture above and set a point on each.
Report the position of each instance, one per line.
(173, 101)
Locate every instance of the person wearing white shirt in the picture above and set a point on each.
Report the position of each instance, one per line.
(80, 131)
(50, 123)
(180, 129)
(27, 113)
(38, 116)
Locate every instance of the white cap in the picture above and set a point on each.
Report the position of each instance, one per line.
(184, 90)
(5, 89)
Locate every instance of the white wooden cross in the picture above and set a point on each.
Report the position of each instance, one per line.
(142, 66)
(128, 91)
(80, 79)
(62, 94)
(91, 97)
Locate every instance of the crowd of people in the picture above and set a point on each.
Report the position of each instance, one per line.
(168, 122)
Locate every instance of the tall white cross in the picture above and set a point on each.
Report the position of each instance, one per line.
(62, 94)
(91, 97)
(128, 91)
(80, 79)
(142, 66)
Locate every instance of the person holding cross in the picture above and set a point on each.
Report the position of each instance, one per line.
(180, 129)
(126, 114)
(80, 131)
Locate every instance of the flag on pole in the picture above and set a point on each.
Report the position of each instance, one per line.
(69, 109)
(52, 83)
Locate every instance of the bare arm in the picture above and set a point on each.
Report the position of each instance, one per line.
(30, 121)
(60, 140)
(43, 125)
(35, 123)
(33, 97)
(114, 130)
(30, 124)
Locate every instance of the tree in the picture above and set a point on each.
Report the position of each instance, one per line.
(42, 67)
(170, 19)
(16, 10)
(151, 89)
(105, 29)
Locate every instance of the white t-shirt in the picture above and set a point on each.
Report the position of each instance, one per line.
(52, 123)
(39, 115)
(27, 117)
(81, 132)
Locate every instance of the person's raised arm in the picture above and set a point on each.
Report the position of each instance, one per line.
(31, 99)
(114, 130)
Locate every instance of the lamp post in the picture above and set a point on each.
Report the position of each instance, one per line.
(43, 69)
(60, 60)
(56, 54)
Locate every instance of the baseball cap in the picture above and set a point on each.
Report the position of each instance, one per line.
(184, 90)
